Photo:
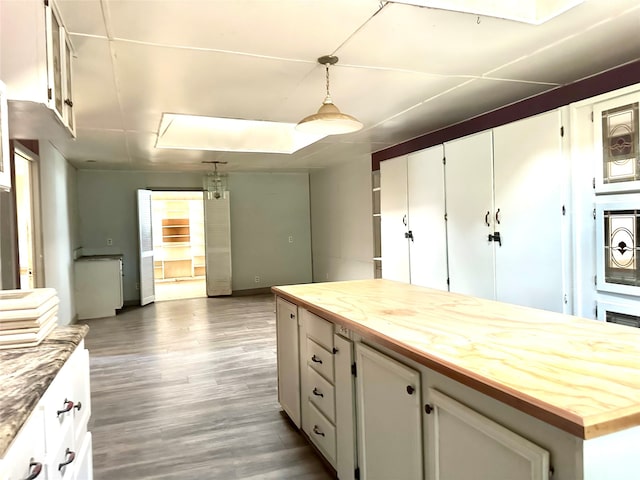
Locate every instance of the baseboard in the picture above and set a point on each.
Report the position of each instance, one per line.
(251, 291)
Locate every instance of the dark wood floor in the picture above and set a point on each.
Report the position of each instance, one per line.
(187, 389)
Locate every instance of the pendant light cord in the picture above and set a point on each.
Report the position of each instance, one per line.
(328, 97)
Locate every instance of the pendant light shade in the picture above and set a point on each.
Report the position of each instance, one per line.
(329, 120)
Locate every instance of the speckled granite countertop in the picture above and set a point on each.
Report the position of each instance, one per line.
(27, 372)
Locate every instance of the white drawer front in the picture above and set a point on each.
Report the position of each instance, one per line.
(62, 464)
(320, 359)
(84, 462)
(323, 434)
(321, 394)
(58, 407)
(26, 454)
(319, 329)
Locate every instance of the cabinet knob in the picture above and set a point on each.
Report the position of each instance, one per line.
(317, 431)
(316, 360)
(68, 406)
(34, 470)
(291, 315)
(70, 456)
(78, 406)
(317, 392)
(410, 389)
(428, 409)
(68, 102)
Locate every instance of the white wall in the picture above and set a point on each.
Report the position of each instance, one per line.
(265, 210)
(341, 221)
(59, 227)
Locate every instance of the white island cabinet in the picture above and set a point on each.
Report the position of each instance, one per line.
(452, 387)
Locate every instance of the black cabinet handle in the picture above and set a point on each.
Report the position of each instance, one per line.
(498, 216)
(410, 389)
(428, 409)
(316, 360)
(70, 456)
(78, 406)
(404, 220)
(68, 406)
(35, 468)
(496, 238)
(291, 315)
(317, 431)
(486, 219)
(317, 392)
(68, 102)
(409, 234)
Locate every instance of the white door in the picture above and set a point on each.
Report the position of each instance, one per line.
(145, 248)
(288, 366)
(530, 173)
(345, 412)
(470, 217)
(217, 220)
(428, 241)
(389, 417)
(394, 219)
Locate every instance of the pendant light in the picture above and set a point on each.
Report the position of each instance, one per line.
(329, 120)
(215, 184)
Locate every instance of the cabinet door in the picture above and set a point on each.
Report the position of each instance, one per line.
(464, 444)
(529, 171)
(469, 193)
(288, 366)
(428, 247)
(389, 419)
(394, 219)
(345, 409)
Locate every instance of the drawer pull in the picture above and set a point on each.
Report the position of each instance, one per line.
(291, 315)
(34, 470)
(68, 406)
(317, 431)
(316, 360)
(410, 389)
(317, 392)
(70, 456)
(78, 406)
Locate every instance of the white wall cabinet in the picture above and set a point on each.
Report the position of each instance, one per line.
(288, 364)
(413, 231)
(507, 233)
(388, 416)
(41, 46)
(54, 439)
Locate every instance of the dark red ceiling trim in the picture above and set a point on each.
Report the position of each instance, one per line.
(620, 77)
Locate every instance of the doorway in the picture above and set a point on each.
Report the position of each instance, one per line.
(27, 220)
(179, 264)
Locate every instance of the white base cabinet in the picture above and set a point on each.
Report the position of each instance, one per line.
(288, 366)
(98, 287)
(54, 440)
(388, 416)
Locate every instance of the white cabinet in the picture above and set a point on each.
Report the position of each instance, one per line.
(54, 438)
(508, 237)
(288, 366)
(413, 231)
(470, 214)
(465, 444)
(98, 287)
(345, 408)
(389, 417)
(37, 67)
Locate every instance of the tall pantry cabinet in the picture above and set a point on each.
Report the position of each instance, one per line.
(504, 210)
(413, 233)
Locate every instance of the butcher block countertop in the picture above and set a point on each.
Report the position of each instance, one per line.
(582, 376)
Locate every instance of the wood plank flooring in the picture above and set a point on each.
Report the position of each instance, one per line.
(187, 389)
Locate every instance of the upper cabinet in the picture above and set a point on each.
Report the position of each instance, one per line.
(36, 65)
(617, 143)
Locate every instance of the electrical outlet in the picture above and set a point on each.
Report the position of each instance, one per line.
(290, 238)
(109, 241)
(256, 279)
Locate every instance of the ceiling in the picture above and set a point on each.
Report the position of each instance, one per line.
(403, 70)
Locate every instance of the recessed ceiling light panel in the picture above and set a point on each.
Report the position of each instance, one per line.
(194, 132)
(535, 12)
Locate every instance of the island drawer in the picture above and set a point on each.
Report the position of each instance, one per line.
(320, 359)
(321, 394)
(322, 434)
(319, 329)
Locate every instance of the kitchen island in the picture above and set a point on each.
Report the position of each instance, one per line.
(45, 405)
(567, 388)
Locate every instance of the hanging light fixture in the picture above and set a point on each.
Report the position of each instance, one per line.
(329, 120)
(215, 184)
